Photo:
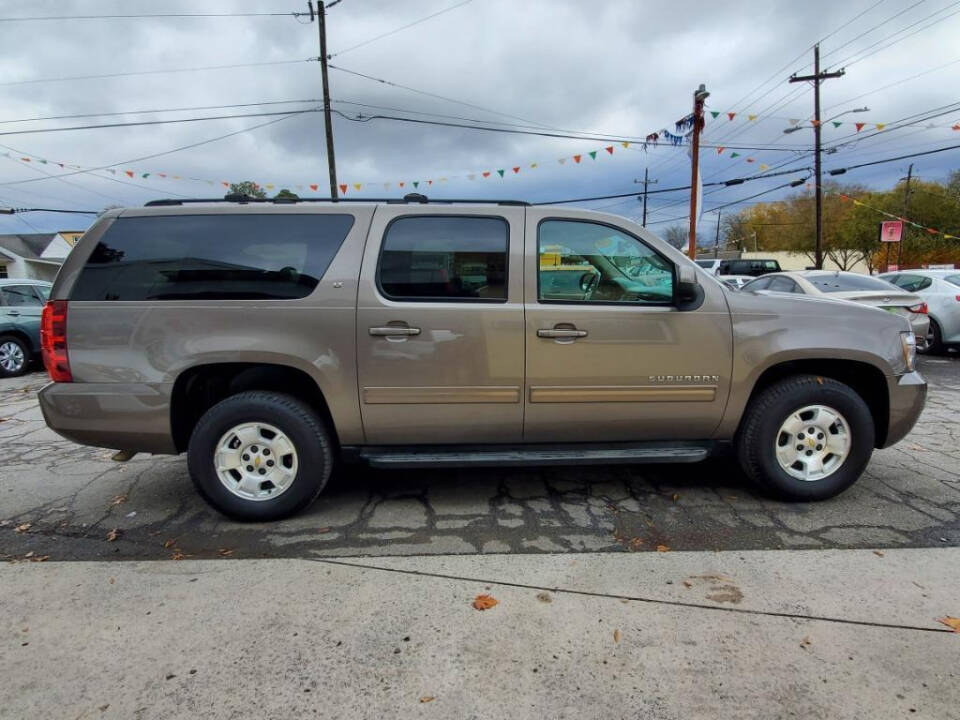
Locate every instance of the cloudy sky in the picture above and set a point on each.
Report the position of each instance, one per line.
(619, 69)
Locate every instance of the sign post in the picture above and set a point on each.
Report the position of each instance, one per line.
(891, 231)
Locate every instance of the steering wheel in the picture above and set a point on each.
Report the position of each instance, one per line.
(588, 283)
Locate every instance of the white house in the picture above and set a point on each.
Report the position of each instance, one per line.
(35, 256)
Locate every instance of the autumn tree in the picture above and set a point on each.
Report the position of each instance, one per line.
(248, 188)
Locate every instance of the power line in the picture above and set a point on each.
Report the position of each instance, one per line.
(400, 29)
(149, 15)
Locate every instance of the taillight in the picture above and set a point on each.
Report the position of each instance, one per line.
(920, 308)
(53, 340)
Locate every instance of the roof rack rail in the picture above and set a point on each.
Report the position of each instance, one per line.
(406, 199)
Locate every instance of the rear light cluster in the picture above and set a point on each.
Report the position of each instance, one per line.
(920, 308)
(53, 340)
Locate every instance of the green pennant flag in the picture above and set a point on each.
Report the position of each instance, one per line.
(837, 124)
(416, 183)
(145, 175)
(500, 173)
(593, 155)
(715, 113)
(733, 155)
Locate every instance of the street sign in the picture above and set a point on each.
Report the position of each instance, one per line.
(892, 268)
(891, 231)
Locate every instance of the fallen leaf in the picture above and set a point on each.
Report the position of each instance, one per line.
(819, 381)
(805, 642)
(878, 553)
(112, 580)
(663, 548)
(688, 583)
(635, 543)
(118, 500)
(484, 602)
(178, 555)
(427, 698)
(40, 558)
(323, 530)
(26, 629)
(169, 543)
(616, 636)
(951, 622)
(23, 528)
(545, 597)
(225, 552)
(29, 554)
(114, 534)
(676, 497)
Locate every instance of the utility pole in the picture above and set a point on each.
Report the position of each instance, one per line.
(817, 78)
(328, 124)
(699, 97)
(716, 242)
(646, 181)
(906, 210)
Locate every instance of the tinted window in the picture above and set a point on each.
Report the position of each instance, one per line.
(754, 285)
(911, 283)
(589, 262)
(953, 279)
(705, 263)
(212, 257)
(849, 283)
(782, 284)
(43, 291)
(444, 257)
(18, 296)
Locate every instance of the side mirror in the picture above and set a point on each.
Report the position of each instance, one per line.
(689, 292)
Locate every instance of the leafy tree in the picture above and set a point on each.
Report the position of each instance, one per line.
(285, 194)
(676, 235)
(249, 188)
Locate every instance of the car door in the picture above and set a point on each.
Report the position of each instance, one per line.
(610, 356)
(22, 307)
(440, 326)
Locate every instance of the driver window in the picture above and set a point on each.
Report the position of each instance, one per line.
(589, 262)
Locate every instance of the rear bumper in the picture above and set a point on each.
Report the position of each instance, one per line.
(908, 393)
(122, 416)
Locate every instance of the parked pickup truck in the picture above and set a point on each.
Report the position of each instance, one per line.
(270, 340)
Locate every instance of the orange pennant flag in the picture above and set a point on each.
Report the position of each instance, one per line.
(576, 158)
(225, 183)
(859, 126)
(343, 189)
(609, 149)
(720, 150)
(731, 115)
(516, 170)
(486, 173)
(314, 187)
(402, 184)
(129, 173)
(956, 127)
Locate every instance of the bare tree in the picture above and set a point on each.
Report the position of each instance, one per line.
(676, 235)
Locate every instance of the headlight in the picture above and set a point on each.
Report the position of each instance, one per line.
(909, 342)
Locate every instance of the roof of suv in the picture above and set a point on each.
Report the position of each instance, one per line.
(23, 281)
(408, 199)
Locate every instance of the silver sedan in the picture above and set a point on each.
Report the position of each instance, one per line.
(941, 291)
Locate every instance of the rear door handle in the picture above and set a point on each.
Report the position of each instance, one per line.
(396, 330)
(561, 333)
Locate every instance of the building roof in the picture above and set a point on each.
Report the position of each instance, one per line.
(29, 246)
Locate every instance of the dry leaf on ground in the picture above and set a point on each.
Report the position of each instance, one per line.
(951, 622)
(676, 497)
(427, 698)
(545, 597)
(118, 500)
(878, 553)
(23, 528)
(323, 530)
(805, 642)
(687, 583)
(484, 602)
(663, 548)
(178, 555)
(616, 636)
(225, 552)
(114, 534)
(169, 543)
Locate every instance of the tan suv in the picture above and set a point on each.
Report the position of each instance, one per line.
(268, 340)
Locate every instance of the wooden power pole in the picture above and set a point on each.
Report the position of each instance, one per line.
(699, 97)
(817, 78)
(327, 121)
(646, 181)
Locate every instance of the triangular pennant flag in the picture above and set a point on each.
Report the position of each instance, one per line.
(859, 126)
(576, 158)
(533, 166)
(562, 160)
(750, 160)
(343, 189)
(794, 121)
(145, 175)
(44, 162)
(516, 170)
(881, 126)
(751, 118)
(593, 154)
(763, 167)
(956, 127)
(500, 173)
(269, 186)
(401, 183)
(210, 182)
(837, 123)
(609, 149)
(111, 171)
(161, 175)
(429, 182)
(731, 115)
(128, 173)
(626, 144)
(386, 186)
(416, 183)
(486, 173)
(225, 183)
(443, 179)
(314, 186)
(720, 150)
(357, 186)
(932, 231)
(733, 155)
(715, 113)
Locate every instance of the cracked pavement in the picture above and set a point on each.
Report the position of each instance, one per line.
(72, 497)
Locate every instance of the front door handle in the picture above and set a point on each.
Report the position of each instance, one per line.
(396, 330)
(561, 333)
(14, 313)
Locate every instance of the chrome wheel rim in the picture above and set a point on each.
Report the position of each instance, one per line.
(256, 461)
(812, 443)
(11, 357)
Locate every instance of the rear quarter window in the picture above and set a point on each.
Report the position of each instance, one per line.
(212, 257)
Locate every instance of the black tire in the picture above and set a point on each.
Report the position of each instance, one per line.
(24, 349)
(759, 429)
(296, 420)
(935, 344)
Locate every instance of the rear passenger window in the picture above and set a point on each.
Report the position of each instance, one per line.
(18, 296)
(444, 258)
(212, 257)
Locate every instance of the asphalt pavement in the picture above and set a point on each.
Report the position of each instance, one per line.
(67, 502)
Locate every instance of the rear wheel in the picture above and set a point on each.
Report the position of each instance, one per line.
(260, 456)
(806, 438)
(14, 356)
(934, 339)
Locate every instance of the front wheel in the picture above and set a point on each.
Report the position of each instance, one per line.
(14, 356)
(259, 456)
(934, 345)
(806, 438)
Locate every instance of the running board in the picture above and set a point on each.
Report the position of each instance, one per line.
(600, 454)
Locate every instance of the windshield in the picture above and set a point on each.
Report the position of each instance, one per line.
(849, 283)
(953, 279)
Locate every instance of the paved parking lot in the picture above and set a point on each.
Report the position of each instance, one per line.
(64, 501)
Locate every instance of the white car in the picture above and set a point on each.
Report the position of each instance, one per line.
(711, 266)
(735, 281)
(941, 291)
(854, 287)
